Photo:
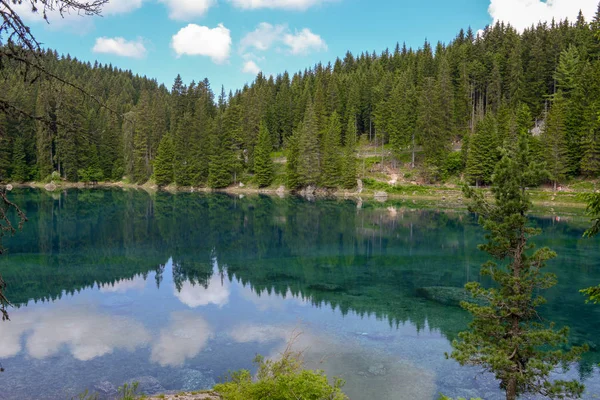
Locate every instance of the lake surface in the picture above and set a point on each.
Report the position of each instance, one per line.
(173, 291)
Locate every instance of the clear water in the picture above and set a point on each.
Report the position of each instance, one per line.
(173, 291)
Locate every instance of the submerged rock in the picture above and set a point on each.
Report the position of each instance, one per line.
(105, 388)
(147, 385)
(447, 295)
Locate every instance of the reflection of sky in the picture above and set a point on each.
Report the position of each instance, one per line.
(216, 293)
(184, 337)
(133, 329)
(84, 331)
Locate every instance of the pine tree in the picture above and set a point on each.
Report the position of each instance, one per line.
(330, 177)
(590, 162)
(507, 336)
(482, 154)
(164, 163)
(309, 159)
(263, 164)
(349, 155)
(554, 141)
(222, 164)
(433, 135)
(20, 171)
(293, 180)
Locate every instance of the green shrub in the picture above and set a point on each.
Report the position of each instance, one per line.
(284, 379)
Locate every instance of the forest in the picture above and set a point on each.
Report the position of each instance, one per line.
(443, 109)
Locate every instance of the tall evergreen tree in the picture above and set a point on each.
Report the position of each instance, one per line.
(507, 336)
(349, 155)
(164, 163)
(20, 171)
(263, 164)
(554, 141)
(331, 165)
(309, 162)
(482, 154)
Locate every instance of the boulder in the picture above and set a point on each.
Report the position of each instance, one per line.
(447, 295)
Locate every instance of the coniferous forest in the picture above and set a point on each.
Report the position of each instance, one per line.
(452, 104)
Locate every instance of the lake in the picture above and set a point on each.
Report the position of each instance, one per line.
(175, 290)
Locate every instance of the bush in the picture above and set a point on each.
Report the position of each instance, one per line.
(284, 379)
(90, 174)
(454, 164)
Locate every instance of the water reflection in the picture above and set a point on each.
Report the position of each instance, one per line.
(83, 331)
(184, 337)
(193, 285)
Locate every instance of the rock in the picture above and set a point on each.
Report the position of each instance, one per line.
(241, 185)
(106, 388)
(241, 196)
(9, 187)
(190, 380)
(447, 295)
(377, 370)
(281, 191)
(51, 187)
(381, 196)
(147, 385)
(359, 186)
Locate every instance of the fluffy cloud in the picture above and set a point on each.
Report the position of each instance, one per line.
(250, 67)
(184, 10)
(85, 332)
(277, 4)
(184, 338)
(196, 295)
(120, 47)
(196, 40)
(263, 37)
(137, 283)
(266, 35)
(523, 13)
(304, 41)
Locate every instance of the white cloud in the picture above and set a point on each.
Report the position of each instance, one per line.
(266, 35)
(304, 41)
(263, 37)
(184, 338)
(85, 332)
(124, 285)
(522, 14)
(250, 67)
(120, 47)
(196, 40)
(121, 6)
(184, 10)
(216, 293)
(277, 4)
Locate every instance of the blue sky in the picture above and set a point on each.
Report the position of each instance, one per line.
(228, 41)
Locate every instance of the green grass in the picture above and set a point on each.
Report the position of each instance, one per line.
(375, 185)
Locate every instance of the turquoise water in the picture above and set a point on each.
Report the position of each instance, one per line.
(172, 291)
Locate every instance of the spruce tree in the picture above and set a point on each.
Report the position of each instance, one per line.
(482, 155)
(263, 164)
(554, 141)
(164, 163)
(222, 164)
(507, 336)
(349, 155)
(309, 157)
(330, 177)
(20, 171)
(293, 180)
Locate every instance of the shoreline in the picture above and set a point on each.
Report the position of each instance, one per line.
(443, 195)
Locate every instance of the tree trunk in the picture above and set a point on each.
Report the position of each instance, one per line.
(511, 389)
(412, 164)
